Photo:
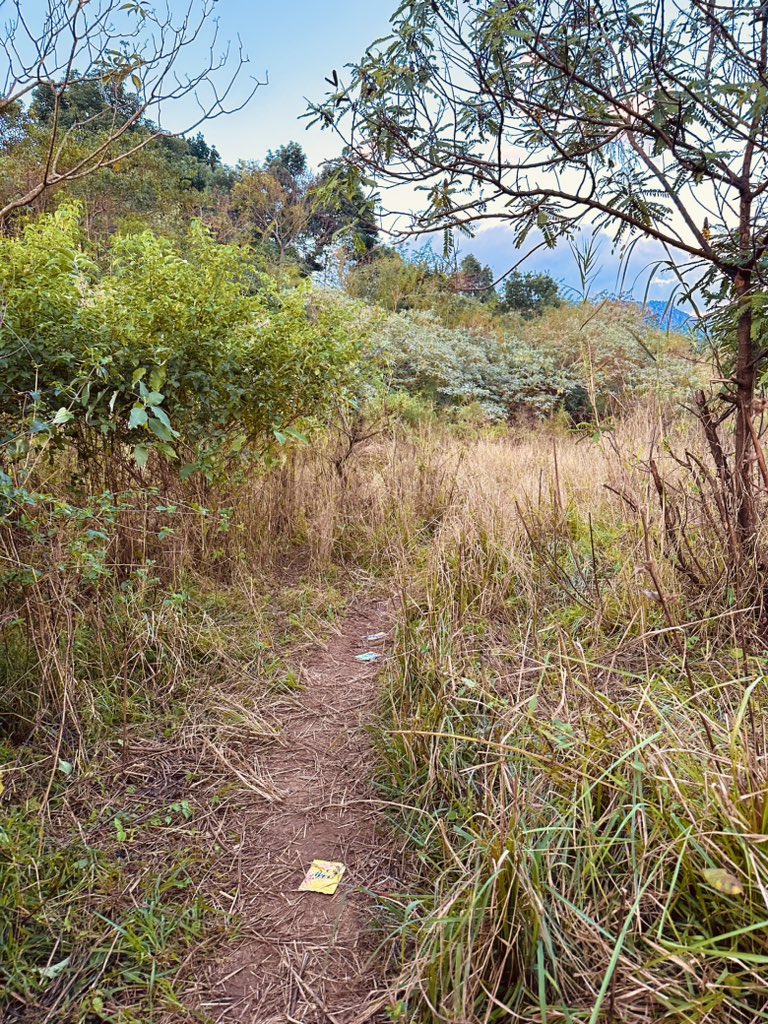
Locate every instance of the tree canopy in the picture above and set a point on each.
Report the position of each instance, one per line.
(93, 80)
(529, 294)
(476, 280)
(299, 215)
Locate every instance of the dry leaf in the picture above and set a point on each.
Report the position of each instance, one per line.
(723, 881)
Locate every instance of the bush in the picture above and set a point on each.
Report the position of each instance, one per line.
(586, 360)
(615, 356)
(178, 347)
(460, 367)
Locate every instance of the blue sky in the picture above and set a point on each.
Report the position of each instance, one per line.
(297, 43)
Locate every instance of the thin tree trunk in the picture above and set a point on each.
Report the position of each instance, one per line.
(746, 370)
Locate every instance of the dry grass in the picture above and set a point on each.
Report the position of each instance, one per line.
(572, 721)
(574, 728)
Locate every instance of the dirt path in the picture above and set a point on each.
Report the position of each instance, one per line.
(306, 958)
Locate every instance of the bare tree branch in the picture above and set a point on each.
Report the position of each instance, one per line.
(137, 55)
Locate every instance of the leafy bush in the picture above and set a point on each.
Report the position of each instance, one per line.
(459, 367)
(183, 348)
(588, 360)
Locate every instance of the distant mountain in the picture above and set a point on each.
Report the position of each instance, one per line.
(668, 318)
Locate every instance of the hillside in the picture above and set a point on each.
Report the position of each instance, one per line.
(669, 317)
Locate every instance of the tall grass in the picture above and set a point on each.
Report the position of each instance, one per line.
(146, 642)
(575, 734)
(572, 721)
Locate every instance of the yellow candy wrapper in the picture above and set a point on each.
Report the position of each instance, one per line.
(323, 876)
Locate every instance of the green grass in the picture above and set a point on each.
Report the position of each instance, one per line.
(96, 924)
(570, 799)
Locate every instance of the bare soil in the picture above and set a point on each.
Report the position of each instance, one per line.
(309, 958)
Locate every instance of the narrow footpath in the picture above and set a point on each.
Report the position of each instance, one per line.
(310, 958)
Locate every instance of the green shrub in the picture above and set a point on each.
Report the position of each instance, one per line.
(614, 356)
(589, 361)
(182, 348)
(460, 367)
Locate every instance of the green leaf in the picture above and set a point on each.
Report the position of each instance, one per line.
(160, 430)
(168, 450)
(141, 455)
(63, 415)
(162, 415)
(297, 435)
(54, 970)
(138, 417)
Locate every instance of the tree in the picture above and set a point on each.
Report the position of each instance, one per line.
(87, 103)
(271, 209)
(529, 294)
(475, 280)
(99, 73)
(299, 215)
(288, 164)
(384, 278)
(164, 185)
(343, 211)
(646, 119)
(198, 148)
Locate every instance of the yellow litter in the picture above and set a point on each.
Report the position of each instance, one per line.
(723, 881)
(323, 876)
